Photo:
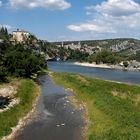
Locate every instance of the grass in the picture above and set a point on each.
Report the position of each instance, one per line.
(27, 92)
(113, 108)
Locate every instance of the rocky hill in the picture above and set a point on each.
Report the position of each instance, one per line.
(124, 46)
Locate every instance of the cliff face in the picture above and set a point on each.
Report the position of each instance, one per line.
(126, 46)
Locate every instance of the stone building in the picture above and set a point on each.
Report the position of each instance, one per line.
(20, 35)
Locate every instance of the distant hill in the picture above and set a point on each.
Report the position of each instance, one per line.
(127, 46)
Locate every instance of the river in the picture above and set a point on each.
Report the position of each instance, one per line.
(56, 118)
(132, 77)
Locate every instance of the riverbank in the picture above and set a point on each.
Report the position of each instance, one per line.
(93, 65)
(106, 66)
(16, 117)
(113, 108)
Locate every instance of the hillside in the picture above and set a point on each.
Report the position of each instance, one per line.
(122, 45)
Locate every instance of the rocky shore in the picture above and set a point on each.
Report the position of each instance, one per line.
(8, 92)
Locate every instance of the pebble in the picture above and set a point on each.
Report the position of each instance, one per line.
(58, 125)
(63, 124)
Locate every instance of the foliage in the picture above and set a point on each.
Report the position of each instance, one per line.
(20, 60)
(3, 74)
(64, 54)
(3, 71)
(113, 108)
(77, 55)
(4, 33)
(124, 47)
(105, 56)
(23, 62)
(137, 57)
(125, 63)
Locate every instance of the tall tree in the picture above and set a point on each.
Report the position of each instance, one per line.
(4, 33)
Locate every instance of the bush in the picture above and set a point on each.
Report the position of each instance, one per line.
(125, 63)
(3, 74)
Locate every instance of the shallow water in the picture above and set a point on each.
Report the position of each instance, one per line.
(56, 117)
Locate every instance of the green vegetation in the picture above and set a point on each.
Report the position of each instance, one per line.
(22, 62)
(137, 56)
(19, 60)
(125, 63)
(4, 34)
(77, 55)
(64, 53)
(27, 92)
(113, 108)
(105, 56)
(120, 49)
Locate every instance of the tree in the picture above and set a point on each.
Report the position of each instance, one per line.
(125, 63)
(22, 62)
(138, 56)
(3, 71)
(4, 34)
(105, 56)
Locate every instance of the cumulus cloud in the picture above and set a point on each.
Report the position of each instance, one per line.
(49, 4)
(111, 16)
(116, 8)
(90, 27)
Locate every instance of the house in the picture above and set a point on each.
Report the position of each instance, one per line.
(20, 35)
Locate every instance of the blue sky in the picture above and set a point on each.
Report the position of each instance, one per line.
(73, 19)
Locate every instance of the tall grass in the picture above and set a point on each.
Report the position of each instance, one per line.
(113, 108)
(27, 93)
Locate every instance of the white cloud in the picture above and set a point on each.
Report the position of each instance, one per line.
(49, 4)
(116, 8)
(111, 16)
(0, 3)
(90, 27)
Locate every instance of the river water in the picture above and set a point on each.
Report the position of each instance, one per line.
(132, 77)
(56, 118)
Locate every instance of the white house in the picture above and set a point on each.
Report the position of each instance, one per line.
(20, 35)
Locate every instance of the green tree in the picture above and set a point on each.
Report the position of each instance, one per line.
(4, 34)
(125, 63)
(3, 71)
(138, 56)
(22, 61)
(104, 56)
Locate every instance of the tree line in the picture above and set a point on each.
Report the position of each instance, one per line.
(105, 56)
